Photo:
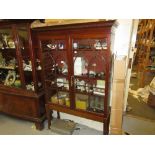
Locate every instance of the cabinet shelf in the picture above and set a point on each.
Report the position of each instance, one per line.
(54, 87)
(88, 77)
(54, 50)
(8, 49)
(89, 50)
(88, 93)
(59, 75)
(8, 68)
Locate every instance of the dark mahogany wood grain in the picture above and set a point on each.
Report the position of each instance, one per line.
(69, 32)
(19, 102)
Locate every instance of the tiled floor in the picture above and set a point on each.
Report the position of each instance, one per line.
(140, 120)
(14, 126)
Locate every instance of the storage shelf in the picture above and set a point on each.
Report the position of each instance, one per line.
(89, 50)
(58, 89)
(54, 50)
(8, 68)
(88, 93)
(8, 49)
(88, 78)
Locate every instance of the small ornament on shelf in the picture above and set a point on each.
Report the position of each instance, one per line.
(61, 46)
(38, 64)
(1, 45)
(11, 43)
(27, 66)
(30, 86)
(17, 82)
(52, 46)
(12, 63)
(98, 45)
(10, 79)
(5, 40)
(2, 61)
(75, 45)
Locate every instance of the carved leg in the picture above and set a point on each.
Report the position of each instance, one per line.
(58, 115)
(106, 125)
(39, 125)
(48, 114)
(51, 114)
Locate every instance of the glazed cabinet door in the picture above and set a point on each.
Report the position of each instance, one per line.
(25, 54)
(10, 74)
(56, 69)
(90, 61)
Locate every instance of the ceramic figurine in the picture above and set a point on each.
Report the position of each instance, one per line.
(61, 46)
(30, 86)
(92, 74)
(75, 45)
(5, 40)
(2, 61)
(98, 45)
(27, 66)
(10, 79)
(1, 45)
(11, 43)
(12, 63)
(38, 64)
(52, 46)
(104, 45)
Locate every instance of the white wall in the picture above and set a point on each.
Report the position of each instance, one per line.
(121, 47)
(122, 36)
(131, 52)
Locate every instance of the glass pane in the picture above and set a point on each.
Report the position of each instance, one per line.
(58, 91)
(89, 73)
(55, 58)
(89, 57)
(96, 104)
(80, 65)
(81, 101)
(38, 69)
(60, 98)
(90, 44)
(25, 52)
(89, 103)
(9, 73)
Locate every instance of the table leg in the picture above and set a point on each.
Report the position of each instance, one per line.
(48, 114)
(58, 115)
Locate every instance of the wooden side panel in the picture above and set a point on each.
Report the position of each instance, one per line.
(18, 105)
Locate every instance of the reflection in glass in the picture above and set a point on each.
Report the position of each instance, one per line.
(80, 66)
(81, 101)
(61, 98)
(96, 104)
(26, 58)
(9, 74)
